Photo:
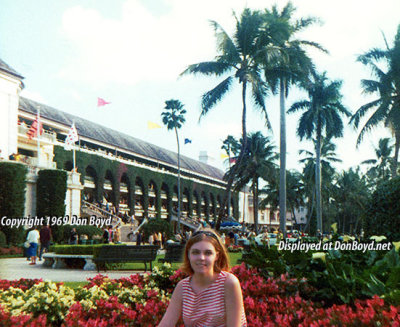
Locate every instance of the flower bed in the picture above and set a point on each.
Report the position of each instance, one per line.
(142, 300)
(12, 250)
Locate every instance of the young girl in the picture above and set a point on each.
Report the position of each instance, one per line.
(211, 296)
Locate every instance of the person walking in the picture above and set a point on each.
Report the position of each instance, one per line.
(45, 238)
(210, 296)
(33, 238)
(73, 236)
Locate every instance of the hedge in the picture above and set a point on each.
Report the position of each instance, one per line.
(51, 191)
(12, 197)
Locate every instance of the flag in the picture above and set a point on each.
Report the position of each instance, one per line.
(233, 160)
(35, 129)
(71, 138)
(224, 156)
(101, 102)
(187, 141)
(151, 125)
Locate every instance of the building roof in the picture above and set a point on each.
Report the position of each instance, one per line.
(114, 138)
(5, 68)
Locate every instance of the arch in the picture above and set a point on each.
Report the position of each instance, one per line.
(139, 198)
(152, 194)
(196, 204)
(124, 191)
(175, 200)
(212, 208)
(204, 206)
(109, 195)
(185, 202)
(90, 185)
(165, 201)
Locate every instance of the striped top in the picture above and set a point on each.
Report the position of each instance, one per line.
(207, 308)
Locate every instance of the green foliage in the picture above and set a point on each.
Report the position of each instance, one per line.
(61, 233)
(341, 277)
(75, 249)
(157, 225)
(51, 190)
(12, 197)
(384, 211)
(3, 239)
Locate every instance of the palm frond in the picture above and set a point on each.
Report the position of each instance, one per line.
(210, 98)
(208, 68)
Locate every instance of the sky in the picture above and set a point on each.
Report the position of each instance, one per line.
(131, 53)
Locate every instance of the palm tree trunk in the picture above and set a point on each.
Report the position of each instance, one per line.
(255, 203)
(241, 155)
(230, 190)
(179, 181)
(396, 154)
(282, 171)
(318, 179)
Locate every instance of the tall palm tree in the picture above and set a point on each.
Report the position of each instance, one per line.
(258, 162)
(231, 147)
(381, 166)
(237, 55)
(174, 117)
(291, 67)
(295, 192)
(322, 115)
(328, 156)
(385, 68)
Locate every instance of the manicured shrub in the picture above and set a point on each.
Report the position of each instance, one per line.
(12, 197)
(51, 191)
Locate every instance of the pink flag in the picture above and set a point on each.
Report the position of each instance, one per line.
(101, 102)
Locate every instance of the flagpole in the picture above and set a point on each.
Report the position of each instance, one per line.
(73, 152)
(38, 125)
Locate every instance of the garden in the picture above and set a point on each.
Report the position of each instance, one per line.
(280, 288)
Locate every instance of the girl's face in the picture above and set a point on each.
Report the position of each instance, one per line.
(202, 256)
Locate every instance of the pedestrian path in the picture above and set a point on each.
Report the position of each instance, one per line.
(16, 268)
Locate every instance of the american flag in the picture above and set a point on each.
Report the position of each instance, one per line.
(71, 138)
(36, 128)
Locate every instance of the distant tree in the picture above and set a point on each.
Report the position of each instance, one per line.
(232, 148)
(321, 117)
(258, 162)
(174, 117)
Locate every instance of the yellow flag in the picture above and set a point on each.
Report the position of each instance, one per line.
(151, 125)
(224, 156)
(334, 228)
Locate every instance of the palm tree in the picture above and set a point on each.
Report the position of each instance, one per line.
(291, 67)
(237, 55)
(295, 192)
(381, 166)
(231, 147)
(328, 156)
(322, 115)
(173, 117)
(386, 86)
(351, 198)
(258, 162)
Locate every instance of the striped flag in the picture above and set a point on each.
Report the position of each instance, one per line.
(71, 138)
(36, 128)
